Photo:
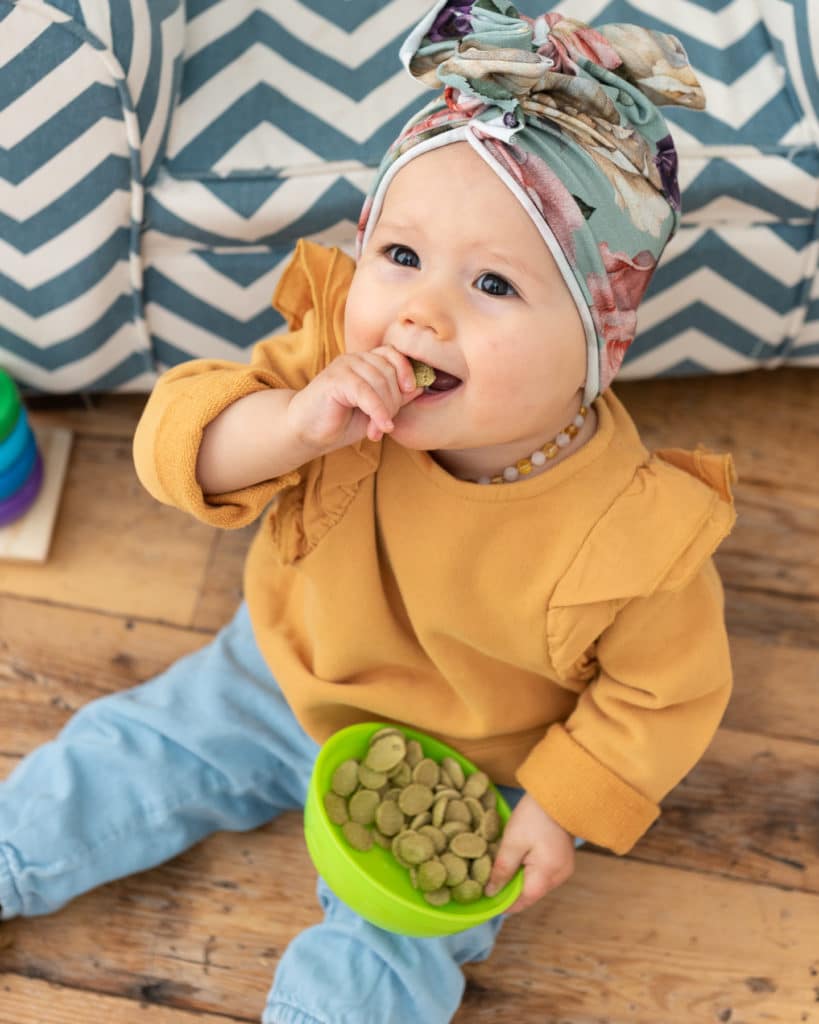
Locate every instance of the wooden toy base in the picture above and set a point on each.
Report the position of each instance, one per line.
(29, 538)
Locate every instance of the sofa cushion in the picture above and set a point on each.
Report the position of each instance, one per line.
(86, 96)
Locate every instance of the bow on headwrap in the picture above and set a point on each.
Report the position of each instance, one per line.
(567, 116)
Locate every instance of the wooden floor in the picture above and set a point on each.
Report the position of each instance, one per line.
(713, 918)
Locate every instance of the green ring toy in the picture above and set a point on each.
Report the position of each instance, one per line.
(9, 404)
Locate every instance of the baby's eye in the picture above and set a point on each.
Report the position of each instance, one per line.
(494, 284)
(402, 255)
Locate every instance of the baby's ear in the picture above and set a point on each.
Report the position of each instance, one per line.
(657, 64)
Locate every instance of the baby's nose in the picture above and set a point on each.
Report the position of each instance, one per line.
(429, 311)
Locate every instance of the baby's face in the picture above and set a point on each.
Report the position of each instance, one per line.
(455, 274)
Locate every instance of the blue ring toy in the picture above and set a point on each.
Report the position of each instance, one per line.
(12, 448)
(13, 479)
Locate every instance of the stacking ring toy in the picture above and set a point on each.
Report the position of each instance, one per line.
(12, 508)
(13, 447)
(9, 404)
(14, 478)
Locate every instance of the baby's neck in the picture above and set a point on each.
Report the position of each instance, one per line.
(471, 463)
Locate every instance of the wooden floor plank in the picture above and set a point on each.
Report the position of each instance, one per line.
(112, 416)
(633, 944)
(54, 659)
(114, 547)
(32, 1001)
(776, 689)
(623, 942)
(223, 591)
(748, 810)
(770, 616)
(774, 545)
(766, 419)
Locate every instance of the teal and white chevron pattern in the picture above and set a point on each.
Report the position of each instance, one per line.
(86, 91)
(256, 122)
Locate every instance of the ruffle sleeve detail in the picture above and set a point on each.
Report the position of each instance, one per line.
(311, 295)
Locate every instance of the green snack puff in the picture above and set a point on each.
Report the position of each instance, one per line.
(454, 828)
(415, 848)
(475, 810)
(476, 785)
(468, 845)
(415, 799)
(388, 730)
(438, 898)
(371, 779)
(458, 811)
(362, 805)
(396, 850)
(431, 876)
(357, 836)
(426, 772)
(336, 807)
(489, 801)
(424, 375)
(386, 753)
(481, 869)
(439, 840)
(389, 818)
(454, 771)
(456, 868)
(345, 778)
(401, 775)
(467, 892)
(385, 842)
(418, 822)
(490, 827)
(439, 812)
(415, 753)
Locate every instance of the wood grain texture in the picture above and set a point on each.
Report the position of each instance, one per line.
(22, 1001)
(113, 543)
(710, 920)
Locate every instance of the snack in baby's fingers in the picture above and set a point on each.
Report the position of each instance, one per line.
(424, 375)
(439, 823)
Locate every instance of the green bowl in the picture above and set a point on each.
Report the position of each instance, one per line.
(373, 883)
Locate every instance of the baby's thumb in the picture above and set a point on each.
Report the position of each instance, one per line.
(510, 857)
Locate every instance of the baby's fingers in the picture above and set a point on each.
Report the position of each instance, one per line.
(538, 879)
(366, 397)
(509, 858)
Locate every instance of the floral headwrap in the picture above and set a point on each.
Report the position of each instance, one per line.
(567, 117)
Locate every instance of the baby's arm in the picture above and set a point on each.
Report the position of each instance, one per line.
(270, 433)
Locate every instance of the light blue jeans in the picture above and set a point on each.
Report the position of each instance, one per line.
(137, 777)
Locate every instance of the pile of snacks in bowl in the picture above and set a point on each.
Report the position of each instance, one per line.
(405, 830)
(439, 823)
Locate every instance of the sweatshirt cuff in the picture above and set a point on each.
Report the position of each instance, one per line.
(584, 796)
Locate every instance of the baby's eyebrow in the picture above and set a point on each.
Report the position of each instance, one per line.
(507, 259)
(393, 226)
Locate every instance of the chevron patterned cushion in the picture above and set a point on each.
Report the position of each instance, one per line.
(159, 159)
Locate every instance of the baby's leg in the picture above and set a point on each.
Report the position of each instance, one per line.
(346, 971)
(139, 776)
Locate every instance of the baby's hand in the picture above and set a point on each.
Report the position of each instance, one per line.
(544, 848)
(355, 396)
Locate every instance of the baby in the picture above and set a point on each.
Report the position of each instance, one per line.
(493, 558)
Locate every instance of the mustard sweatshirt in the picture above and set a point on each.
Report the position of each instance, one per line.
(565, 632)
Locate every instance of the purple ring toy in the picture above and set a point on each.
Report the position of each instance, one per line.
(14, 507)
